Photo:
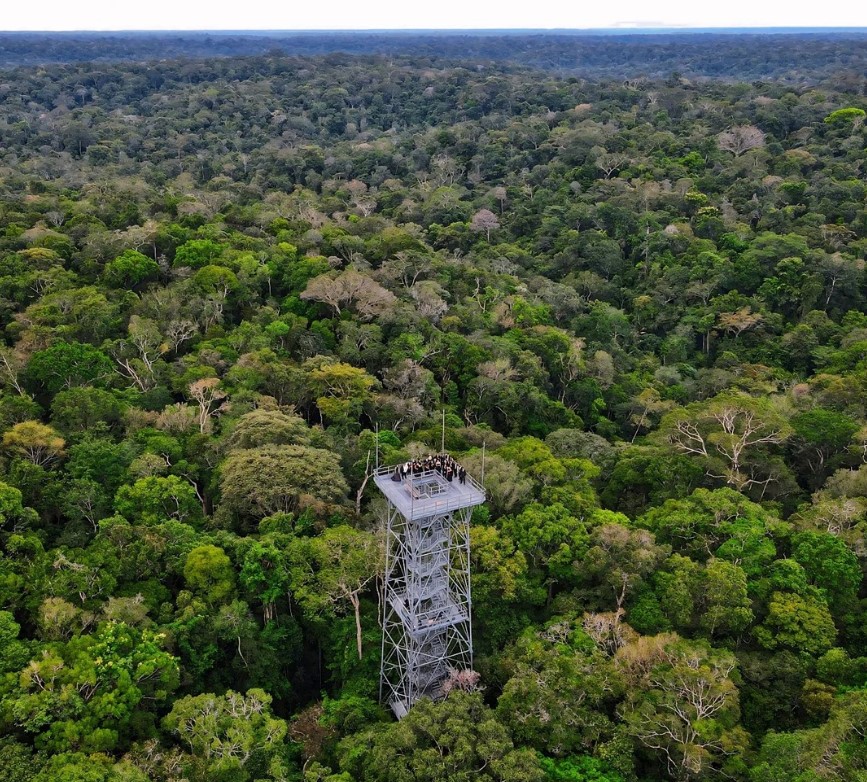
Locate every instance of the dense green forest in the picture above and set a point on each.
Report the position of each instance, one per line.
(647, 300)
(798, 56)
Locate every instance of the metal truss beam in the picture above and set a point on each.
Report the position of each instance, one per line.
(426, 621)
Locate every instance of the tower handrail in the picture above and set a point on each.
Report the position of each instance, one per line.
(389, 471)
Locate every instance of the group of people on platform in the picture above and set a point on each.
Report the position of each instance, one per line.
(444, 464)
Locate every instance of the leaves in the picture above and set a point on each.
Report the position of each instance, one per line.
(230, 289)
(228, 732)
(272, 479)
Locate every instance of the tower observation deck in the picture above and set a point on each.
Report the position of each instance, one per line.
(426, 611)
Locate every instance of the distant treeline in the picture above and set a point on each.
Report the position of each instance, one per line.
(800, 57)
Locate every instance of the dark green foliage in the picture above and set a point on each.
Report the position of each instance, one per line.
(68, 364)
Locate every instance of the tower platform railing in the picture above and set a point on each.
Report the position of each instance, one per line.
(427, 494)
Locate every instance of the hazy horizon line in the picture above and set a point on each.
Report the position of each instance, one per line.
(621, 27)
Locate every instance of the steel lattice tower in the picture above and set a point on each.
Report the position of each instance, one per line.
(426, 608)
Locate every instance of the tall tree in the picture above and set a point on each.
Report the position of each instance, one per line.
(332, 569)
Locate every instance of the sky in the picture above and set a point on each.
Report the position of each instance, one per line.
(422, 14)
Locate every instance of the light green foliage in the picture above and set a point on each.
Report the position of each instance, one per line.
(228, 733)
(208, 572)
(835, 750)
(801, 623)
(551, 538)
(682, 703)
(727, 608)
(156, 499)
(268, 427)
(836, 666)
(18, 761)
(782, 760)
(499, 569)
(149, 552)
(503, 587)
(507, 487)
(84, 314)
(83, 695)
(846, 116)
(720, 523)
(130, 269)
(217, 281)
(581, 768)
(91, 767)
(13, 652)
(197, 253)
(328, 572)
(316, 772)
(678, 585)
(265, 573)
(618, 561)
(536, 460)
(829, 565)
(340, 390)
(12, 512)
(34, 442)
(458, 740)
(558, 688)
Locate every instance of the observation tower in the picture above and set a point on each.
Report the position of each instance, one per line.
(426, 629)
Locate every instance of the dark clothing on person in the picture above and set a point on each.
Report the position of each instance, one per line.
(444, 464)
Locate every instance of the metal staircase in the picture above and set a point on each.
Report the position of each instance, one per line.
(427, 606)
